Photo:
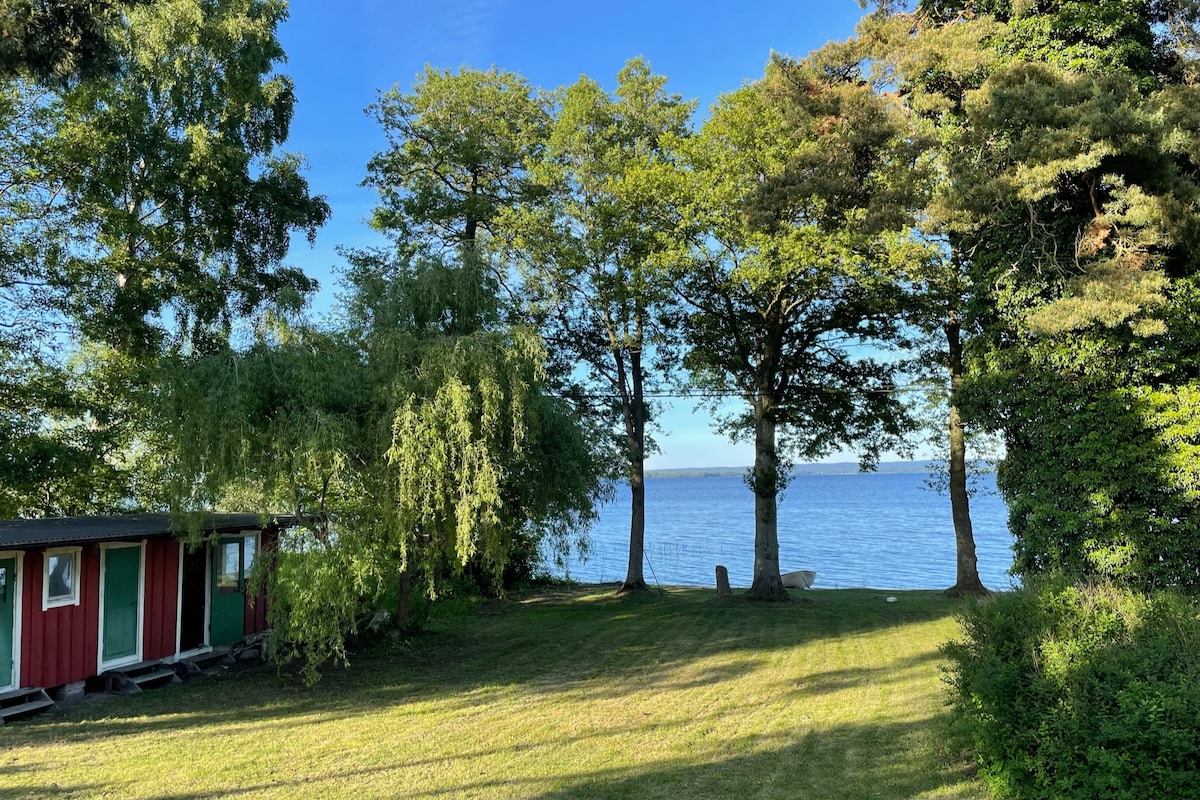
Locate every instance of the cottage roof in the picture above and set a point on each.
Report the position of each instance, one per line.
(71, 530)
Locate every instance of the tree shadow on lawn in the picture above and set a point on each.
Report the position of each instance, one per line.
(849, 761)
(594, 634)
(595, 642)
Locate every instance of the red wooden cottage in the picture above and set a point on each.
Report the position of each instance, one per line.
(85, 596)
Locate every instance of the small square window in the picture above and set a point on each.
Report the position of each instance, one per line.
(3, 584)
(61, 580)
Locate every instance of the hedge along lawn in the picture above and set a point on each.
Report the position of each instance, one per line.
(567, 694)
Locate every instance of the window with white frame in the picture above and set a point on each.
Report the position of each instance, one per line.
(60, 581)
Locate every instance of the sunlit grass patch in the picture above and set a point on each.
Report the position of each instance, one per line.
(564, 695)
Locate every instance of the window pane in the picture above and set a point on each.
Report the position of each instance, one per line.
(250, 544)
(229, 568)
(3, 584)
(61, 575)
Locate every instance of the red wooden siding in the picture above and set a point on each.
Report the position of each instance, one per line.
(58, 645)
(61, 645)
(160, 611)
(255, 619)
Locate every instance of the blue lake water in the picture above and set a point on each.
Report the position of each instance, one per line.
(882, 530)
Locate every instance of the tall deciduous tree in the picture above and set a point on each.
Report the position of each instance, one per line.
(1077, 180)
(593, 246)
(798, 180)
(182, 205)
(148, 207)
(934, 66)
(459, 149)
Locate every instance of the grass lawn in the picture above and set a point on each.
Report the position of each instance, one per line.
(566, 694)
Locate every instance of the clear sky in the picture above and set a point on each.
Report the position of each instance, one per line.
(341, 53)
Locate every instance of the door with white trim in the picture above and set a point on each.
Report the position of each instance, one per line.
(10, 620)
(192, 627)
(121, 590)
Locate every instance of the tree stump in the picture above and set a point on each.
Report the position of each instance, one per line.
(723, 589)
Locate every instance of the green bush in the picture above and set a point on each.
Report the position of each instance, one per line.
(1081, 692)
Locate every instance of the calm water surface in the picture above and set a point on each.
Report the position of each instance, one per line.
(861, 529)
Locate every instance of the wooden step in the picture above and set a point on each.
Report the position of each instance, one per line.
(160, 676)
(218, 655)
(131, 678)
(20, 702)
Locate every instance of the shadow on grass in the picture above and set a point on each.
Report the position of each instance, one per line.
(583, 640)
(844, 761)
(849, 761)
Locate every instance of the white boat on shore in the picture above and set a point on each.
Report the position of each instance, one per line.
(800, 579)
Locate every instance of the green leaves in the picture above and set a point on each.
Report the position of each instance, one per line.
(459, 145)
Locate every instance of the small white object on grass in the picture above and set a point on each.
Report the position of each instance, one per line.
(891, 599)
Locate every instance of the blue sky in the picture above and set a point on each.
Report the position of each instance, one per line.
(341, 54)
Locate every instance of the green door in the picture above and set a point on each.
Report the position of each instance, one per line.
(229, 591)
(122, 566)
(8, 601)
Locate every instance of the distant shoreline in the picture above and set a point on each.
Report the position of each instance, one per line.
(836, 468)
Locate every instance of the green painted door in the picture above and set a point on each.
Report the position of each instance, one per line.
(8, 601)
(122, 567)
(229, 591)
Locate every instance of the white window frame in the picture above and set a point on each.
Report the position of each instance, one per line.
(76, 554)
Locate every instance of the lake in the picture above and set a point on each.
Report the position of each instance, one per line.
(882, 530)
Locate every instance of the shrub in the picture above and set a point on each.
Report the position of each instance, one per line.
(1081, 692)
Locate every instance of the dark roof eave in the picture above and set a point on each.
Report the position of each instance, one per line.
(18, 533)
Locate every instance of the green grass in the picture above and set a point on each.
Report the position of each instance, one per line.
(572, 694)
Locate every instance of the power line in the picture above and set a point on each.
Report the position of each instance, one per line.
(906, 389)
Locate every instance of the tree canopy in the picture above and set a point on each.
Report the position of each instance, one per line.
(149, 208)
(1071, 194)
(795, 206)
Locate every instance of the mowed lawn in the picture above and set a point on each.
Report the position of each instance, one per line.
(566, 694)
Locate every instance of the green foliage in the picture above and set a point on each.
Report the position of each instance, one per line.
(409, 452)
(777, 296)
(60, 40)
(1090, 36)
(459, 145)
(1070, 205)
(315, 598)
(148, 209)
(801, 186)
(1080, 692)
(181, 219)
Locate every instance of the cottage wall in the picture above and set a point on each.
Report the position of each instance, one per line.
(59, 645)
(161, 609)
(255, 619)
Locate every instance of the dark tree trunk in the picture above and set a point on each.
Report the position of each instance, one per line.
(767, 584)
(967, 580)
(635, 443)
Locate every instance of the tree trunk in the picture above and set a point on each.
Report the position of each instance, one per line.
(967, 580)
(767, 584)
(635, 444)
